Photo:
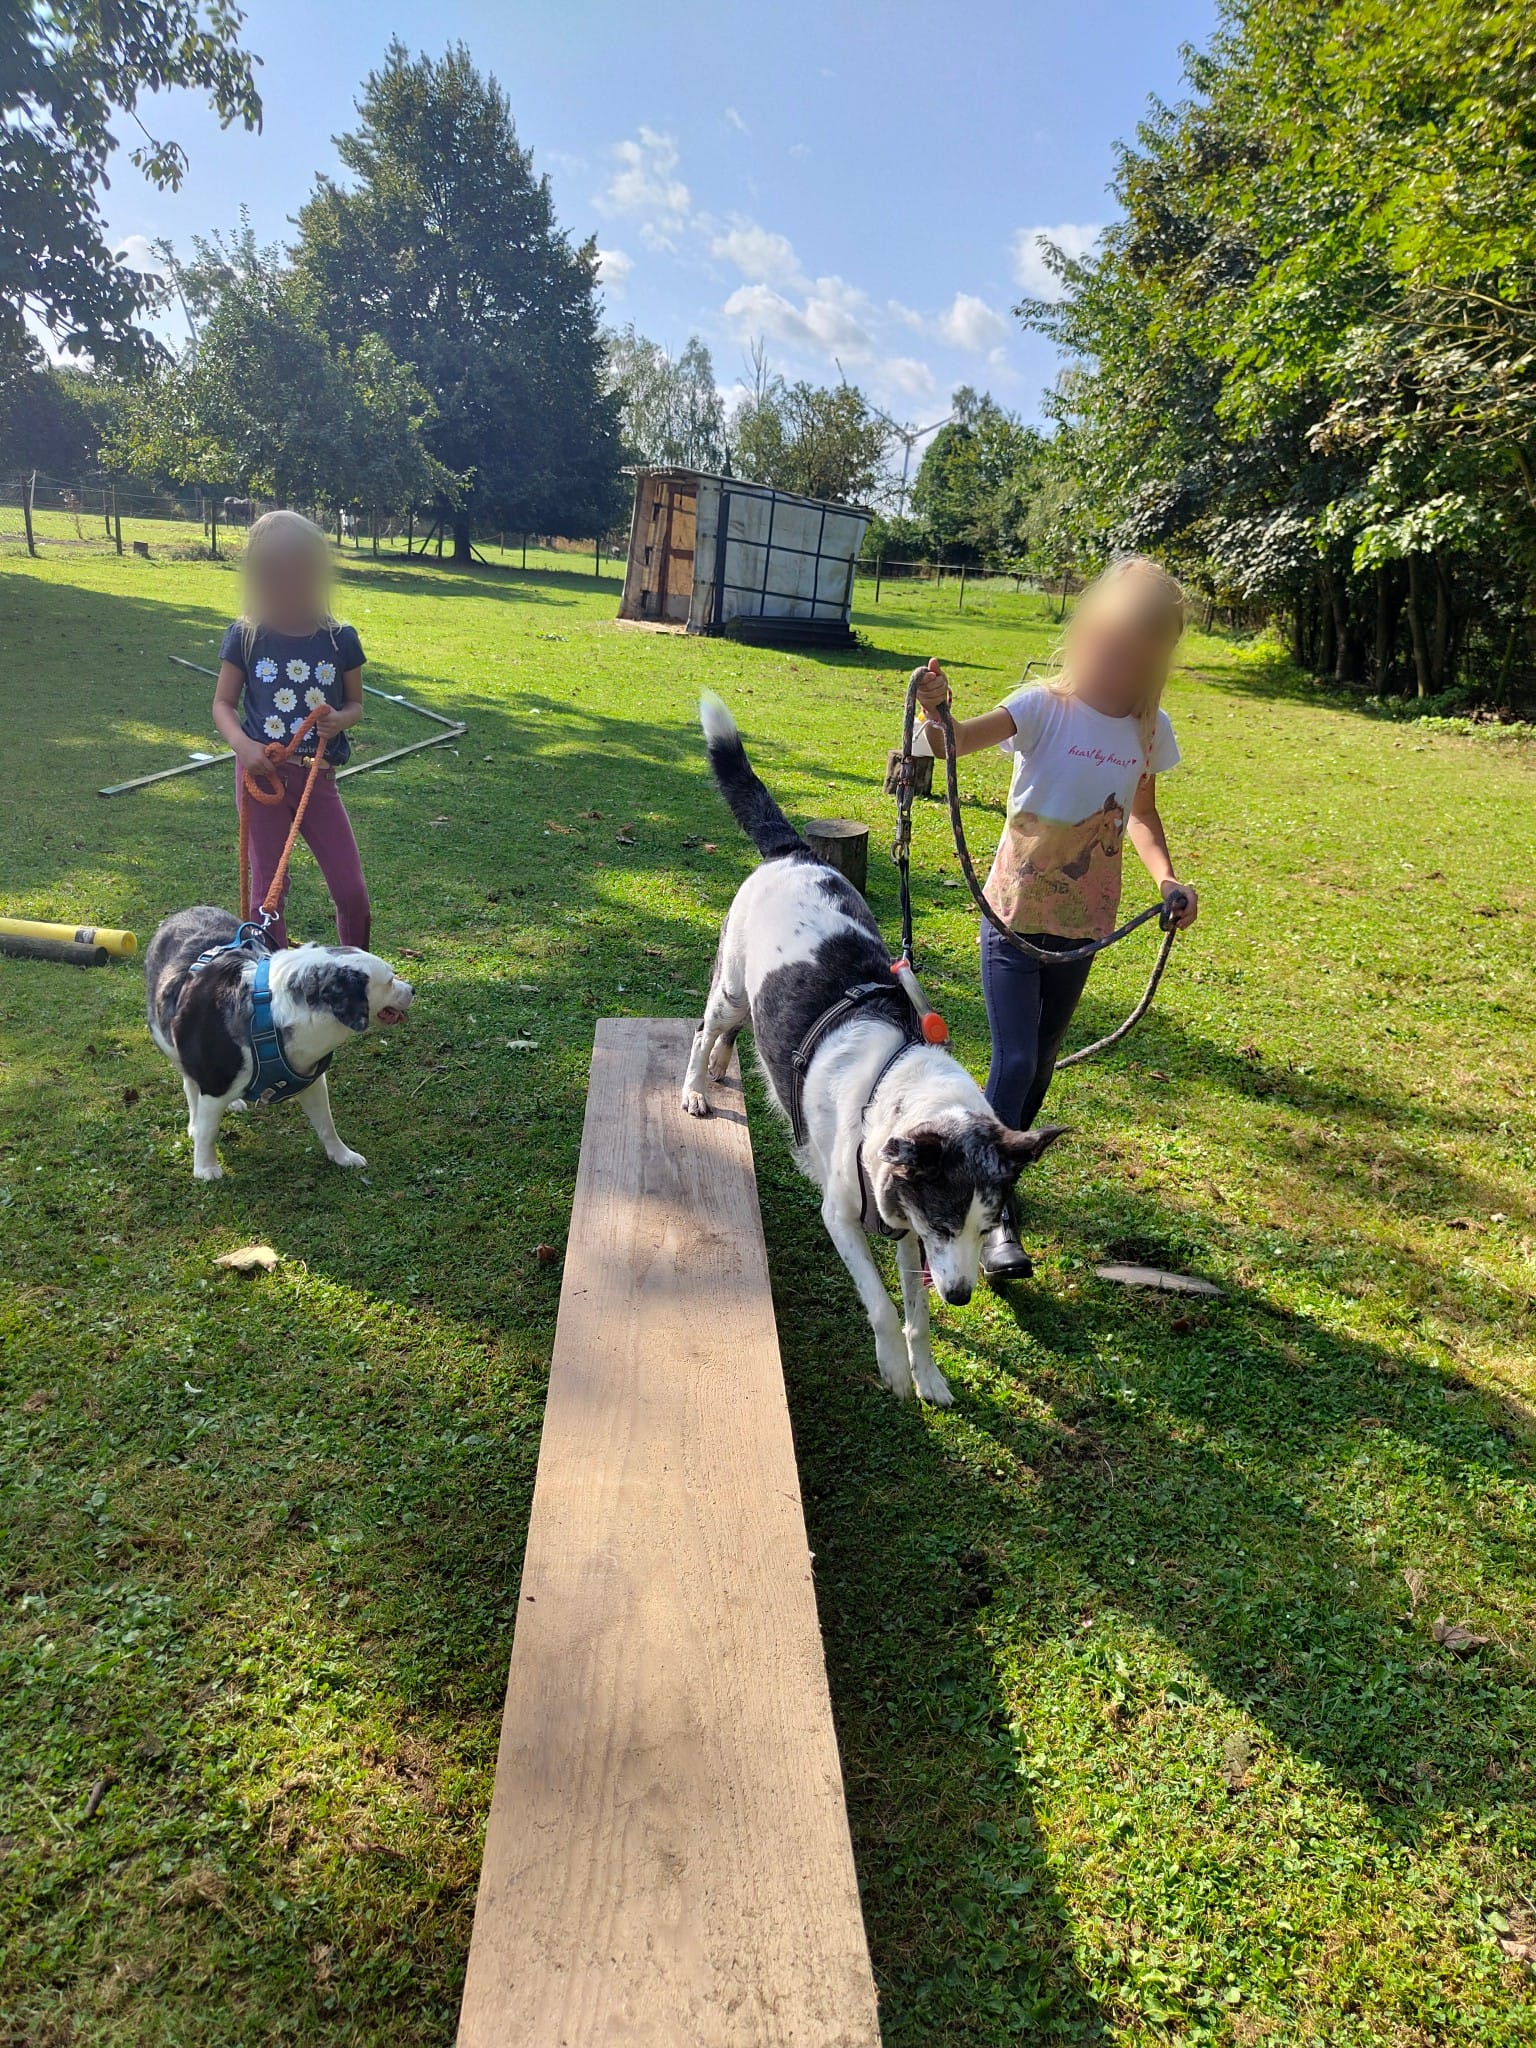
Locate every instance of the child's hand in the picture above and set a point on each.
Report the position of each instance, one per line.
(932, 686)
(1185, 916)
(250, 753)
(330, 722)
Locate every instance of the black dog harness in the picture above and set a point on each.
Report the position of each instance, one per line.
(846, 1006)
(273, 1078)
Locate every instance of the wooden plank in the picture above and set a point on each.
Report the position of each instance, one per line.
(667, 1859)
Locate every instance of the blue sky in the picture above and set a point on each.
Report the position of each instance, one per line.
(855, 183)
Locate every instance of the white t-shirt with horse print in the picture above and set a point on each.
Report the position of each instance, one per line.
(1075, 774)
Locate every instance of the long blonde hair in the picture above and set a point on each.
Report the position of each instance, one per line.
(1134, 582)
(275, 534)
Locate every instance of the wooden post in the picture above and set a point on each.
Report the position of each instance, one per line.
(29, 485)
(213, 514)
(117, 521)
(410, 530)
(961, 605)
(525, 550)
(879, 566)
(338, 526)
(597, 558)
(440, 540)
(374, 521)
(922, 773)
(843, 844)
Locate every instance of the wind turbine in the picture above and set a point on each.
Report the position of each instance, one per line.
(907, 436)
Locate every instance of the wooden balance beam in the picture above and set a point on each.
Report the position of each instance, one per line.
(667, 1859)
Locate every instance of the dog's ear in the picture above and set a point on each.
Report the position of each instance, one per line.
(1018, 1149)
(344, 992)
(918, 1154)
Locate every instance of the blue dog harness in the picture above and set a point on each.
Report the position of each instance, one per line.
(274, 1079)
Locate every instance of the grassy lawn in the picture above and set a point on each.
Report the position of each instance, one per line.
(1147, 1731)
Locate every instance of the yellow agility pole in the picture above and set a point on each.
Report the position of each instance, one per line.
(120, 943)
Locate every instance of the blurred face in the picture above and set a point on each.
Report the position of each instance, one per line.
(288, 589)
(1120, 651)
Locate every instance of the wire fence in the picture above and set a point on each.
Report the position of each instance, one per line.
(41, 515)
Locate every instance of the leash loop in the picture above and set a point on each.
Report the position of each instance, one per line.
(269, 790)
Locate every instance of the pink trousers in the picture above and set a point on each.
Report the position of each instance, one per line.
(327, 832)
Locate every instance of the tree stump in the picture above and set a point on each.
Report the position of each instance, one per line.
(922, 773)
(843, 844)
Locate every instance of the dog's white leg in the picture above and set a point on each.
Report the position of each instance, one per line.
(847, 1233)
(194, 1095)
(724, 1015)
(930, 1383)
(206, 1118)
(317, 1107)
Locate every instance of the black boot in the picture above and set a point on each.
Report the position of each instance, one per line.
(1002, 1256)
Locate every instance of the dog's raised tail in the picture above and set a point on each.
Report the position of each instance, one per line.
(739, 783)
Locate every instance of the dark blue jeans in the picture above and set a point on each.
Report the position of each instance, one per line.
(1029, 1006)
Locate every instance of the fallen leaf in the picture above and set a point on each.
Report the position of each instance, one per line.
(1414, 1581)
(522, 1045)
(1461, 1223)
(250, 1258)
(545, 1254)
(589, 814)
(34, 1404)
(130, 1097)
(623, 839)
(1456, 1636)
(440, 821)
(552, 825)
(1235, 1759)
(406, 953)
(709, 846)
(1153, 1276)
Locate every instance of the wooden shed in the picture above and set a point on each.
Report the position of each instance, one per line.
(716, 554)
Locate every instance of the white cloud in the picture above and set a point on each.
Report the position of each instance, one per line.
(734, 120)
(763, 257)
(645, 183)
(905, 374)
(614, 267)
(134, 253)
(800, 150)
(905, 315)
(1076, 238)
(829, 323)
(971, 324)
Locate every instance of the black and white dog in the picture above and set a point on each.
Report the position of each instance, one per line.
(202, 1021)
(896, 1134)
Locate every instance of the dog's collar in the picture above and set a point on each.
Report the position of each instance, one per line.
(868, 1206)
(847, 1005)
(274, 1079)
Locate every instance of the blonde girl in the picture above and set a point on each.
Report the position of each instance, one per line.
(1088, 746)
(285, 657)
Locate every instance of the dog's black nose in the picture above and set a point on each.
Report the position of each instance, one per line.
(959, 1295)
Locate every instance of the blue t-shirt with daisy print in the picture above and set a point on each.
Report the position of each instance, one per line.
(287, 675)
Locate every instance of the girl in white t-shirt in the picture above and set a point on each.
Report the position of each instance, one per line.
(1087, 749)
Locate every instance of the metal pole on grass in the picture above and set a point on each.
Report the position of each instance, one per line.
(29, 485)
(117, 520)
(879, 566)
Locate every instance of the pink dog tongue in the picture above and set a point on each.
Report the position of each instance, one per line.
(391, 1016)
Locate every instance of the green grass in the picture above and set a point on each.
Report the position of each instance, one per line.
(1146, 1737)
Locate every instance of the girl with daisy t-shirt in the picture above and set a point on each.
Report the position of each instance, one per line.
(286, 657)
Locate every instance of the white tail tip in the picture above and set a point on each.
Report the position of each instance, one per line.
(715, 717)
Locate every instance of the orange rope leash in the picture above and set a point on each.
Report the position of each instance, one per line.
(272, 792)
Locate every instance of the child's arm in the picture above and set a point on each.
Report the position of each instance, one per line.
(226, 716)
(1145, 830)
(971, 734)
(333, 721)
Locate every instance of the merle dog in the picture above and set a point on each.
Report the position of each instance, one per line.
(321, 997)
(908, 1143)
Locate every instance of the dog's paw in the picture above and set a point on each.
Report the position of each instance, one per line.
(894, 1369)
(931, 1384)
(695, 1102)
(211, 1172)
(343, 1155)
(720, 1058)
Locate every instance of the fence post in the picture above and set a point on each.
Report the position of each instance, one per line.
(29, 485)
(597, 558)
(117, 520)
(961, 606)
(213, 536)
(525, 550)
(879, 566)
(374, 522)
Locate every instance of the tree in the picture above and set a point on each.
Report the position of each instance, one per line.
(972, 490)
(261, 397)
(671, 411)
(824, 442)
(445, 246)
(1307, 350)
(66, 68)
